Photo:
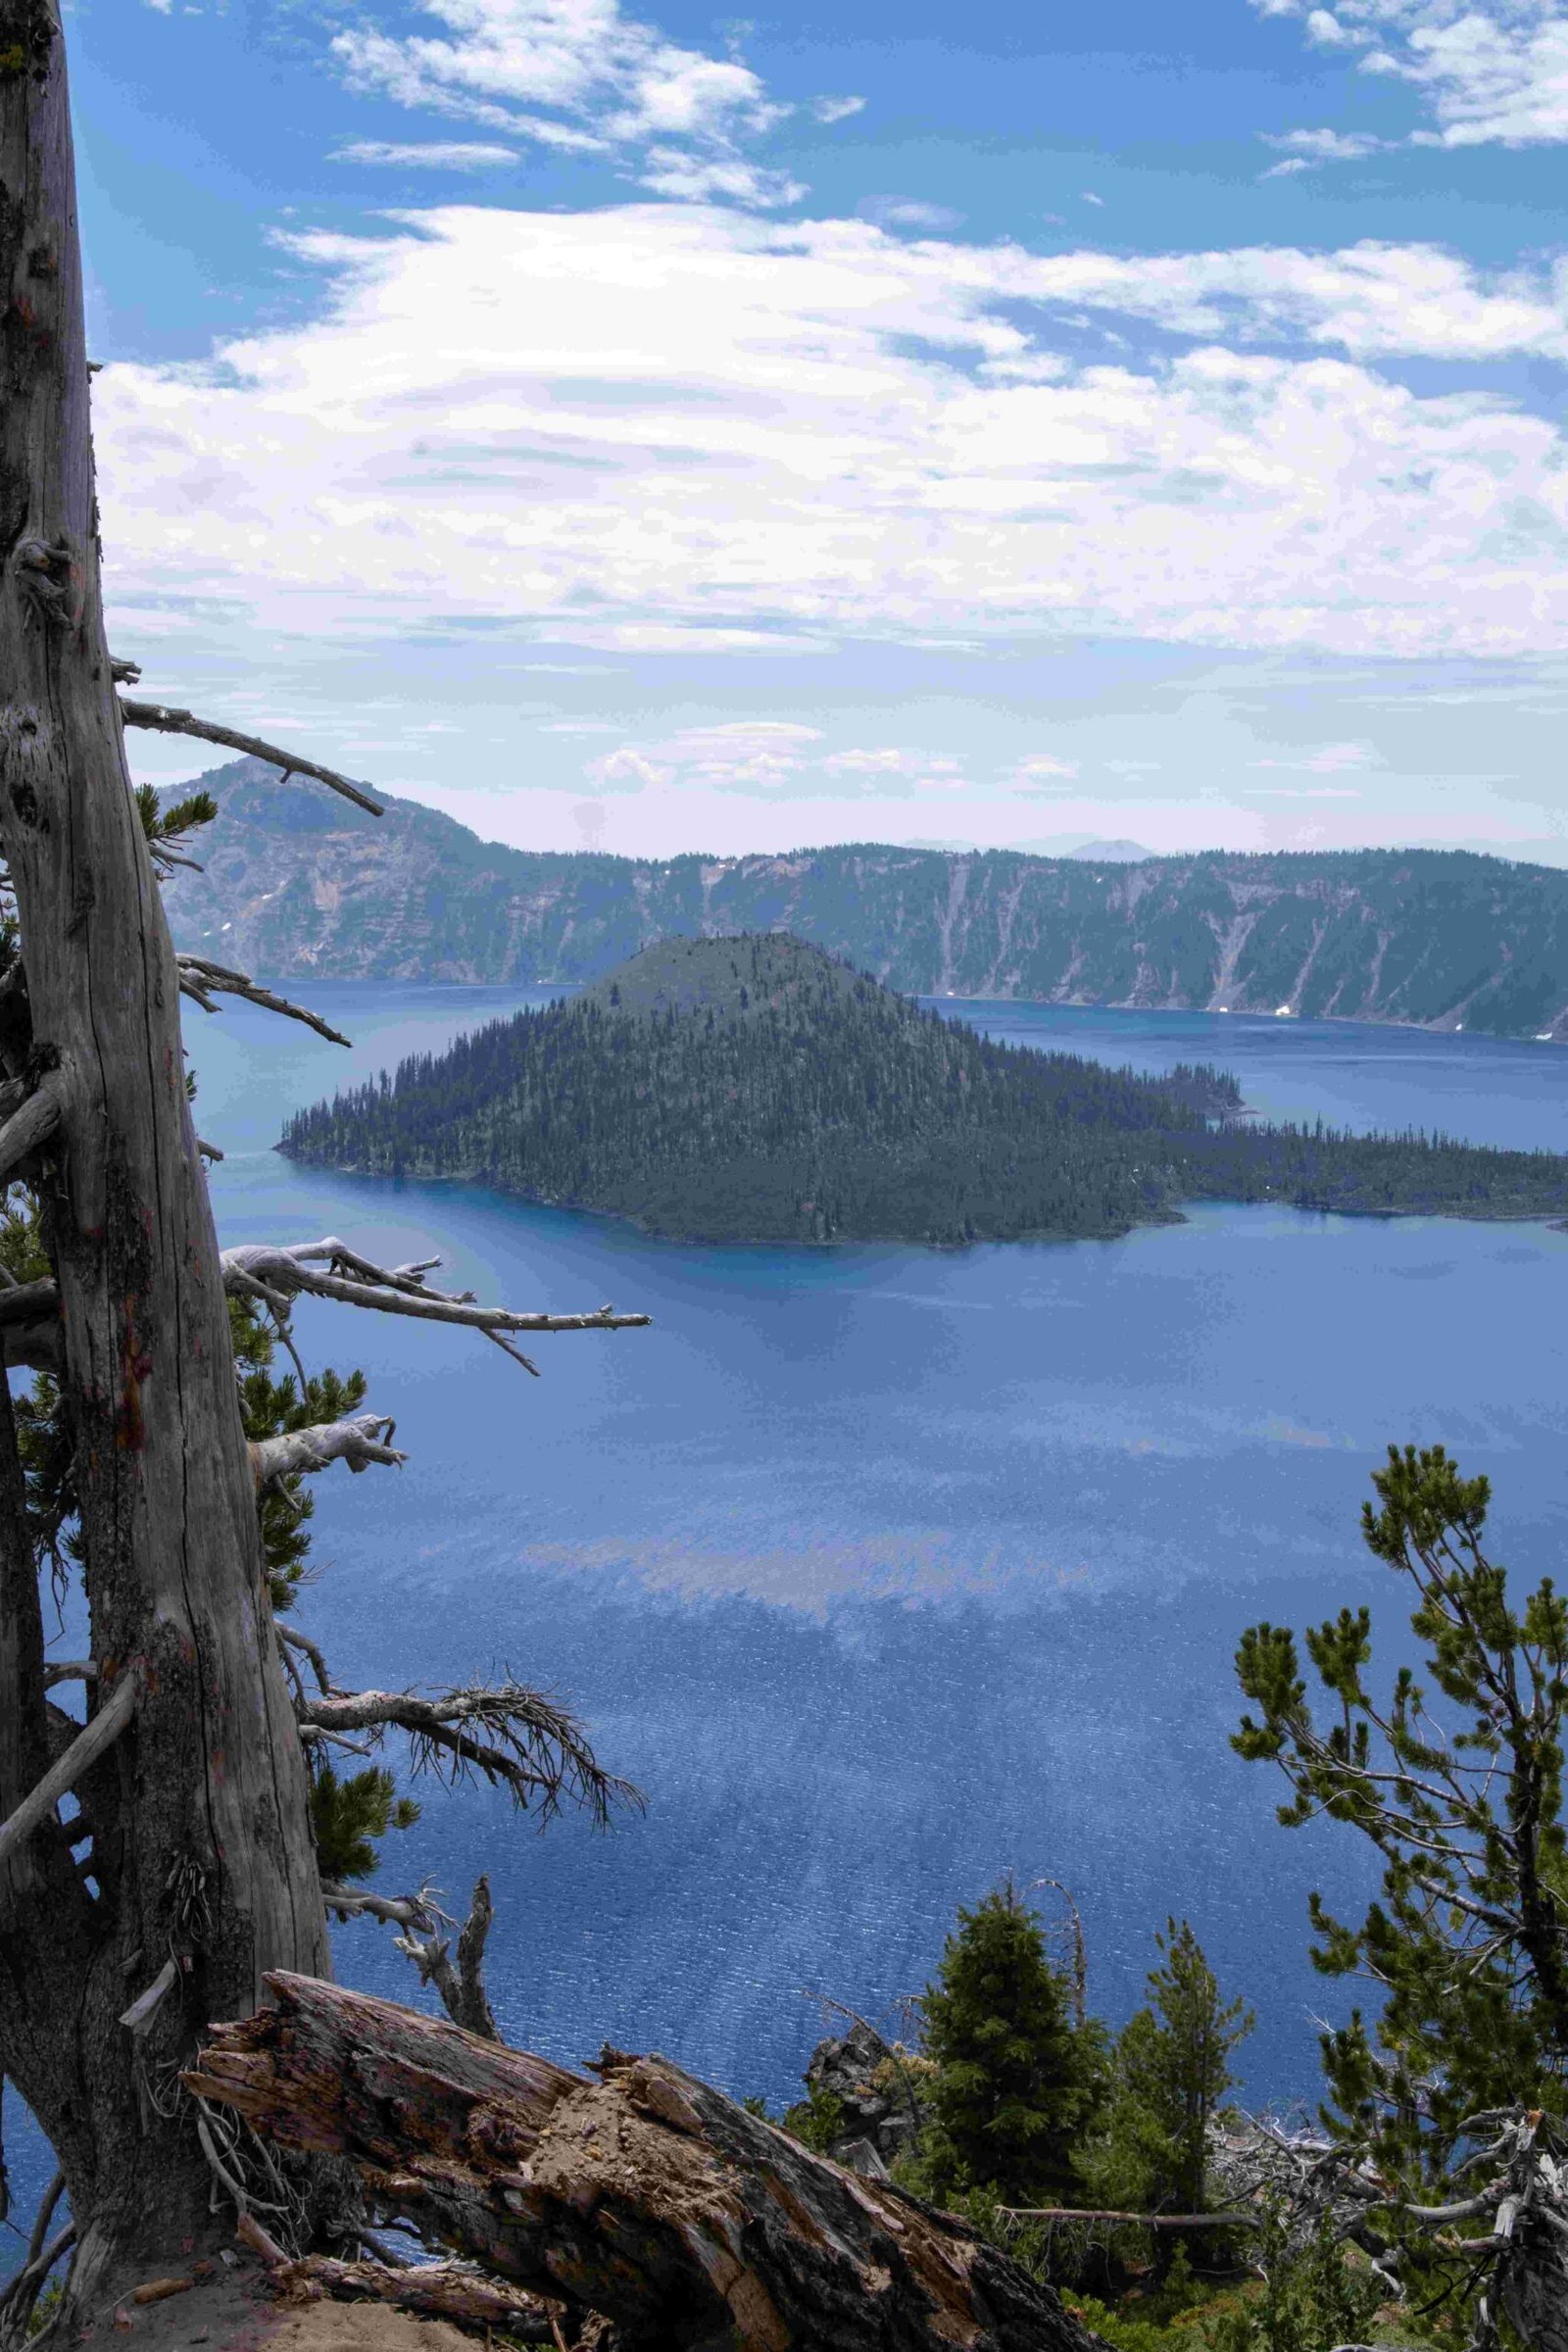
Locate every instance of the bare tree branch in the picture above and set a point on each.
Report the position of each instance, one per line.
(32, 1125)
(201, 981)
(479, 2016)
(275, 1274)
(1106, 2213)
(533, 1748)
(29, 1325)
(410, 1911)
(20, 2293)
(338, 1739)
(295, 1640)
(359, 1440)
(165, 721)
(462, 1988)
(80, 1757)
(44, 2216)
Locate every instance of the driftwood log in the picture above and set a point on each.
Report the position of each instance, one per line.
(646, 2196)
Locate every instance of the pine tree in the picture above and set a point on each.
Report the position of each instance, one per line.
(1017, 2081)
(1170, 2070)
(1464, 1804)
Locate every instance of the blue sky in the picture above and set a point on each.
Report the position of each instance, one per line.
(660, 431)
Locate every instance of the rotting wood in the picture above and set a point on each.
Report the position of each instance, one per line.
(465, 2298)
(647, 2196)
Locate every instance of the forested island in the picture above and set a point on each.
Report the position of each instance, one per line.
(757, 1089)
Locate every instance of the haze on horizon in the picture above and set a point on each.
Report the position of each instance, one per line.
(652, 433)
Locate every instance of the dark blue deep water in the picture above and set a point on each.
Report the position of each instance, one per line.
(883, 1569)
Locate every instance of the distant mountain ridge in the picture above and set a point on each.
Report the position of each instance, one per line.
(297, 882)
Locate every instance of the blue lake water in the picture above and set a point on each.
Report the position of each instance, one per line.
(885, 1570)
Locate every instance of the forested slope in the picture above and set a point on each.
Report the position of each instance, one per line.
(295, 882)
(752, 1089)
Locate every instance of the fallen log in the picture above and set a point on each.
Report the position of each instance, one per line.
(646, 2196)
(430, 2290)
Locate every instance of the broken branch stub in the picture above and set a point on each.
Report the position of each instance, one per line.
(647, 2196)
(359, 1440)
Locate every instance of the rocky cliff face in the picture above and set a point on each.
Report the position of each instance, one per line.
(297, 882)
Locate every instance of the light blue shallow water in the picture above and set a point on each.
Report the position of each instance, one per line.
(883, 1569)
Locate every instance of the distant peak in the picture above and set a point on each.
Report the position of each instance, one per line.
(734, 973)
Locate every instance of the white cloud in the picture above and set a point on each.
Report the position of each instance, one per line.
(626, 770)
(767, 758)
(1041, 772)
(896, 765)
(756, 757)
(1328, 759)
(1306, 150)
(608, 84)
(1371, 300)
(1490, 70)
(669, 171)
(674, 430)
(1089, 197)
(432, 155)
(907, 211)
(836, 110)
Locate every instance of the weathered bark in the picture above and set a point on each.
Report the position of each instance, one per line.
(1535, 2288)
(197, 1818)
(647, 2196)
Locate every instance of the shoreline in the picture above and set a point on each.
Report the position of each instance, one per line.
(1234, 1012)
(1176, 1215)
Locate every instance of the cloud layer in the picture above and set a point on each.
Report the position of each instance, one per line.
(1489, 71)
(672, 426)
(581, 78)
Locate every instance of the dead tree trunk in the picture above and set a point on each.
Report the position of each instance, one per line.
(646, 2196)
(195, 1824)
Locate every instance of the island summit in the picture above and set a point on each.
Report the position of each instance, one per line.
(756, 1089)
